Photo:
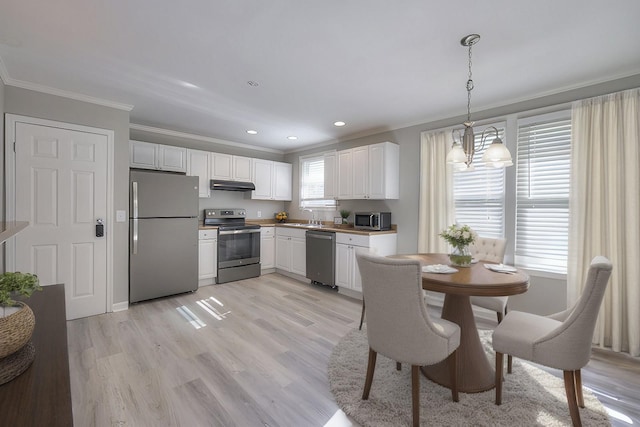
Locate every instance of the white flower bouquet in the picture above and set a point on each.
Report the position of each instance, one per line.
(459, 236)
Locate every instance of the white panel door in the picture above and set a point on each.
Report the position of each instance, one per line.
(282, 185)
(61, 189)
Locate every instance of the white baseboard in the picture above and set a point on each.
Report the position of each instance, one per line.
(120, 306)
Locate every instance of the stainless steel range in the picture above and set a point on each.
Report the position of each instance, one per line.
(238, 244)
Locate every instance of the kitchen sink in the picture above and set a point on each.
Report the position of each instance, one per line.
(305, 225)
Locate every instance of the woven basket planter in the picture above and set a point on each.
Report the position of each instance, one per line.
(16, 330)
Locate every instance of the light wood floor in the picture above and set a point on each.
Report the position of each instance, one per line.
(248, 353)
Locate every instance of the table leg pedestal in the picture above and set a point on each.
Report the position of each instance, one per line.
(475, 372)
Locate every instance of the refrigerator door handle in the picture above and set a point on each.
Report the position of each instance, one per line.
(135, 236)
(135, 199)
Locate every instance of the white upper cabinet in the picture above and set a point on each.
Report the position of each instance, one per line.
(331, 175)
(146, 155)
(384, 171)
(282, 181)
(198, 165)
(229, 167)
(272, 180)
(241, 168)
(220, 166)
(369, 172)
(262, 179)
(360, 168)
(345, 174)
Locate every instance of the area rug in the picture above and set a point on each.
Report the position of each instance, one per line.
(530, 396)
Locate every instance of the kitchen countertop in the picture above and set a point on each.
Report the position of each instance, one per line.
(325, 227)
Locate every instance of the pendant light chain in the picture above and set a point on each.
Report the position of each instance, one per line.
(469, 88)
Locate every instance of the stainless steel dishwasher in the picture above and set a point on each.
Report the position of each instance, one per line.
(321, 257)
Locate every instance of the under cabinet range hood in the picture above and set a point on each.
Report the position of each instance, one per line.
(220, 184)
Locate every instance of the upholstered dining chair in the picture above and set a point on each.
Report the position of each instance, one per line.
(399, 326)
(488, 249)
(560, 341)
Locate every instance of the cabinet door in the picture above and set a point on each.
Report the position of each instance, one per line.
(143, 155)
(345, 175)
(377, 171)
(220, 166)
(207, 258)
(330, 176)
(241, 170)
(299, 256)
(262, 179)
(282, 181)
(172, 158)
(198, 165)
(267, 252)
(356, 279)
(343, 266)
(283, 253)
(360, 168)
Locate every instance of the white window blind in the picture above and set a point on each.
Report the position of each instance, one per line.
(479, 194)
(312, 183)
(542, 192)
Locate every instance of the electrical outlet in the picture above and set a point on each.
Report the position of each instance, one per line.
(259, 214)
(121, 216)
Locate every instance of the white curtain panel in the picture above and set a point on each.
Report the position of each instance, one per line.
(605, 211)
(436, 191)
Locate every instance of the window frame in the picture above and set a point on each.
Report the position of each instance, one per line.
(316, 203)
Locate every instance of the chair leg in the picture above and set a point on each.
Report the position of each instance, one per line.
(453, 375)
(509, 363)
(415, 394)
(579, 395)
(499, 316)
(361, 316)
(398, 366)
(371, 366)
(499, 367)
(570, 389)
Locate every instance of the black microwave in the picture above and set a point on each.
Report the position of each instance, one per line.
(377, 221)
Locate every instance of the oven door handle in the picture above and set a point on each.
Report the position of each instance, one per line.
(227, 232)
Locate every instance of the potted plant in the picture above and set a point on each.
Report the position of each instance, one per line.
(16, 318)
(459, 237)
(344, 214)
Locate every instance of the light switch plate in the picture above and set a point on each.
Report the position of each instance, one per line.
(121, 216)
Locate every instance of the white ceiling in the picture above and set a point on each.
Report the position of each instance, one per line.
(375, 64)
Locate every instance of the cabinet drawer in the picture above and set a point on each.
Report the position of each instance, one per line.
(267, 231)
(291, 232)
(352, 239)
(207, 234)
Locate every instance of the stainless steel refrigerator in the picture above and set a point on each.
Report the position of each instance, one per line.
(163, 227)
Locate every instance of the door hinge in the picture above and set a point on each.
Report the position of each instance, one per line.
(14, 146)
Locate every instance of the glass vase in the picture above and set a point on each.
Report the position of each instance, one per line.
(460, 256)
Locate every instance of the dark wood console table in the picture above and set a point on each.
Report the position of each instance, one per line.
(41, 396)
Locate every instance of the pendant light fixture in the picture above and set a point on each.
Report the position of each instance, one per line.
(463, 149)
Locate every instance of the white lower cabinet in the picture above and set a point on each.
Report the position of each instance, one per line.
(291, 250)
(267, 248)
(348, 246)
(207, 257)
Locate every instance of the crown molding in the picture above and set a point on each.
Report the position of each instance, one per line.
(176, 134)
(9, 81)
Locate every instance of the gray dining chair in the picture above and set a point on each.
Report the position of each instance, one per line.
(560, 341)
(492, 250)
(399, 325)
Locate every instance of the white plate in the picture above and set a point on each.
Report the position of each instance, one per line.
(438, 268)
(501, 268)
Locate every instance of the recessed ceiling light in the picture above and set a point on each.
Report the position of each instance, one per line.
(253, 83)
(252, 132)
(339, 123)
(292, 137)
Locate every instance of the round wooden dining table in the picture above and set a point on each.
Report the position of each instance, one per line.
(475, 372)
